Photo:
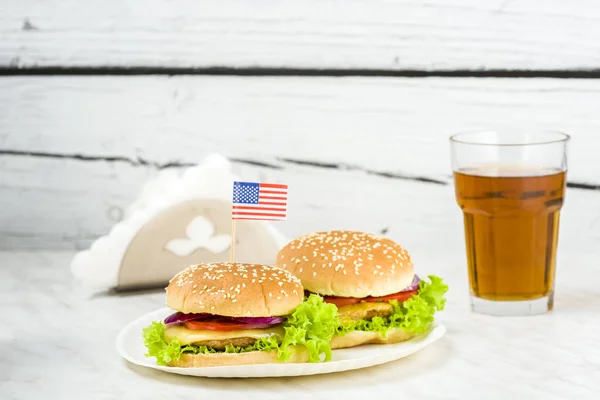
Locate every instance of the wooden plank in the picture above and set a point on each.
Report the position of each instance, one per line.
(74, 151)
(50, 203)
(381, 125)
(390, 35)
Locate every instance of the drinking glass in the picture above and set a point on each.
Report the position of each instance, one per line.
(510, 187)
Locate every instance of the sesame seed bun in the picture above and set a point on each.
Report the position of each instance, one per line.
(299, 355)
(235, 290)
(348, 264)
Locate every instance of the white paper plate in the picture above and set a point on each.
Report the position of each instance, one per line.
(131, 347)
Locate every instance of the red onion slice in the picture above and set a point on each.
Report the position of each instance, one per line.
(414, 284)
(182, 317)
(253, 322)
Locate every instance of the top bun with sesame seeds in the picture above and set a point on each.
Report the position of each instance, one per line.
(348, 264)
(235, 290)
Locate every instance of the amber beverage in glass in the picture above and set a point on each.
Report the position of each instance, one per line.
(510, 187)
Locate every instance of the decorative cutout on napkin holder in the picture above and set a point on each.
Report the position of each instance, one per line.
(178, 220)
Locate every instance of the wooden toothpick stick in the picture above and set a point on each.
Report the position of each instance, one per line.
(232, 252)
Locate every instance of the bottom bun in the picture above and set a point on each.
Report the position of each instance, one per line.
(357, 338)
(300, 355)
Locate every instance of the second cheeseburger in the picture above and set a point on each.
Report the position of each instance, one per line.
(372, 282)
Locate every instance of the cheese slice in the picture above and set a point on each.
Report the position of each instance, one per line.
(191, 336)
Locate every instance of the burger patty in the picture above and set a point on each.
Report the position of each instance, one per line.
(221, 344)
(366, 310)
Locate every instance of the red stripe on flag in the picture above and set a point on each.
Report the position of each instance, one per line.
(273, 186)
(272, 192)
(261, 208)
(252, 219)
(273, 203)
(259, 214)
(274, 197)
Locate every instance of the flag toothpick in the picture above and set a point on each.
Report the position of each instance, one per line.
(232, 252)
(257, 201)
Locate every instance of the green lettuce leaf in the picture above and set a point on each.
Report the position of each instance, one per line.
(312, 325)
(158, 347)
(165, 352)
(413, 315)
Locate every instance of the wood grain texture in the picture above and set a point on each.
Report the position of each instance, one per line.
(391, 126)
(49, 203)
(549, 357)
(66, 204)
(391, 35)
(75, 151)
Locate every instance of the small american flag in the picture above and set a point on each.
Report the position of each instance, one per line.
(253, 200)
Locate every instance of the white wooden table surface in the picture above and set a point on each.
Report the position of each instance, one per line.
(58, 342)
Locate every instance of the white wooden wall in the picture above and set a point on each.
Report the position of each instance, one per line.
(75, 149)
(380, 34)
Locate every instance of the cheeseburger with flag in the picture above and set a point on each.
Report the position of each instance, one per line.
(234, 314)
(371, 281)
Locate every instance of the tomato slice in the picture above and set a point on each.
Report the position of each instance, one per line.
(222, 325)
(341, 301)
(345, 301)
(400, 296)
